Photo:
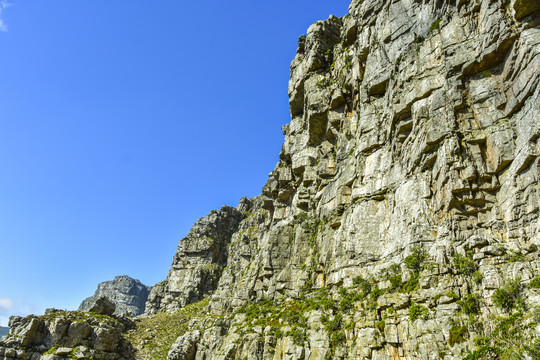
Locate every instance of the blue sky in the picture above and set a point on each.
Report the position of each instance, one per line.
(122, 122)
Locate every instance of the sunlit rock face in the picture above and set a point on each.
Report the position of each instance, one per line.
(402, 218)
(413, 136)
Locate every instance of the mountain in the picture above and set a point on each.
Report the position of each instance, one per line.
(129, 295)
(3, 331)
(401, 221)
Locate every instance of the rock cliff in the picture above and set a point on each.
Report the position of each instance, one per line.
(402, 219)
(129, 295)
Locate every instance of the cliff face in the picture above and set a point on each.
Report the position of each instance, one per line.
(402, 219)
(129, 295)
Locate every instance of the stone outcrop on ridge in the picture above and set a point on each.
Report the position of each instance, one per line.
(129, 295)
(67, 335)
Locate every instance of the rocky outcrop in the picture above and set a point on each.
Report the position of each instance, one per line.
(198, 262)
(67, 335)
(103, 306)
(128, 295)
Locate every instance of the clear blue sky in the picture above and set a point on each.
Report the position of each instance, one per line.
(122, 122)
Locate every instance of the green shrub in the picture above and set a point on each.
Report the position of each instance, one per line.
(276, 331)
(308, 286)
(376, 292)
(395, 282)
(52, 350)
(535, 313)
(416, 311)
(507, 296)
(510, 340)
(410, 285)
(294, 316)
(415, 261)
(464, 264)
(534, 349)
(347, 299)
(393, 274)
(301, 216)
(514, 256)
(380, 326)
(335, 323)
(457, 335)
(298, 335)
(470, 305)
(535, 283)
(435, 25)
(477, 276)
(363, 285)
(337, 338)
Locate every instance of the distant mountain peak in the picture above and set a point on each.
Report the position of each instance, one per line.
(128, 294)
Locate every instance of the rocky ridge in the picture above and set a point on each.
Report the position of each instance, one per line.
(129, 295)
(402, 219)
(62, 334)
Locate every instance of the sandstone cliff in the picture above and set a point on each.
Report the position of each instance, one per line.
(402, 219)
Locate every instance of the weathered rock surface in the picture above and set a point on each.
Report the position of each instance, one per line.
(103, 306)
(128, 295)
(402, 220)
(406, 196)
(198, 262)
(67, 335)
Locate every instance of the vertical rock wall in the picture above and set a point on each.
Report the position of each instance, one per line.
(410, 167)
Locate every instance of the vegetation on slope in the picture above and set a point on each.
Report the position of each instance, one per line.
(154, 335)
